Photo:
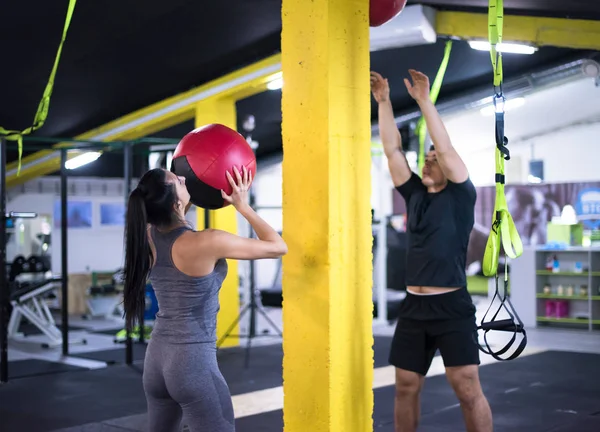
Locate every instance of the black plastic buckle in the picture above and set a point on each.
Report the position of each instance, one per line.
(501, 140)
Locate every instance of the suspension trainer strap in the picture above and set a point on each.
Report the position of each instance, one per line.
(44, 105)
(503, 232)
(435, 91)
(503, 227)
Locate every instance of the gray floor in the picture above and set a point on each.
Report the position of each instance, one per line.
(550, 339)
(553, 339)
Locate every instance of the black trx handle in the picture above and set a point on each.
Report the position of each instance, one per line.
(502, 325)
(501, 140)
(512, 324)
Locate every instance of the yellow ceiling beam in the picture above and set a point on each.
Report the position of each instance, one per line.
(538, 31)
(237, 85)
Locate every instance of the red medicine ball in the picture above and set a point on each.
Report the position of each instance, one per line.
(382, 11)
(203, 156)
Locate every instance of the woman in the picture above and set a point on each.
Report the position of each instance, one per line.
(186, 269)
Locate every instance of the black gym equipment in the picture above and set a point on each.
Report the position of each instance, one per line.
(513, 325)
(27, 299)
(4, 301)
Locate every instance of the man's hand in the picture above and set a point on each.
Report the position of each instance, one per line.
(380, 88)
(419, 89)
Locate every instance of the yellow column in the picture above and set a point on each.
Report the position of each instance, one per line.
(327, 274)
(222, 111)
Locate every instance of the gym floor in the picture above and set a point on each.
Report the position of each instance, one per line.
(553, 386)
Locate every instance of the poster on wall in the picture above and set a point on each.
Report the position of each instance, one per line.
(587, 207)
(112, 214)
(79, 214)
(532, 206)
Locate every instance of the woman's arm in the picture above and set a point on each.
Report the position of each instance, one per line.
(222, 244)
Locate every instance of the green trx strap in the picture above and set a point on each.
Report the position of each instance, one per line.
(435, 91)
(503, 227)
(44, 105)
(503, 230)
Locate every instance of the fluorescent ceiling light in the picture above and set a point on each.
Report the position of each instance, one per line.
(508, 105)
(169, 159)
(275, 84)
(81, 160)
(511, 48)
(275, 81)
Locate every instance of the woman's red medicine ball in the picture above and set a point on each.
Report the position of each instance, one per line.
(204, 155)
(382, 11)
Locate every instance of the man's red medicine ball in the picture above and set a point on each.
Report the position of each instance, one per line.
(204, 155)
(382, 11)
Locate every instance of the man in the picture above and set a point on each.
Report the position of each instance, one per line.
(438, 312)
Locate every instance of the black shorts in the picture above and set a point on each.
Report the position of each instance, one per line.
(427, 323)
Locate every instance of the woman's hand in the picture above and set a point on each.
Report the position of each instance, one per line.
(239, 195)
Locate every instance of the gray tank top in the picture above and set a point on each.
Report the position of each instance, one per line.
(187, 305)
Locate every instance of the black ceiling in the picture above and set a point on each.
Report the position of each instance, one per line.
(120, 57)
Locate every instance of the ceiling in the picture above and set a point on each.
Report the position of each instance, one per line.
(120, 57)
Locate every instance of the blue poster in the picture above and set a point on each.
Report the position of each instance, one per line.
(79, 214)
(112, 214)
(587, 208)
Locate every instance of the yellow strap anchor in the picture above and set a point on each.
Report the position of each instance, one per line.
(503, 230)
(44, 105)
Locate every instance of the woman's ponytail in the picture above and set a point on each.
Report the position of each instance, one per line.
(138, 258)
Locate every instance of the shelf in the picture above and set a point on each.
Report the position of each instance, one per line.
(570, 249)
(565, 297)
(567, 320)
(564, 273)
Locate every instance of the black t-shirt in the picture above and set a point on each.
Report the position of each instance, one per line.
(438, 228)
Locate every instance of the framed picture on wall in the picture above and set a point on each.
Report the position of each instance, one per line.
(79, 214)
(112, 214)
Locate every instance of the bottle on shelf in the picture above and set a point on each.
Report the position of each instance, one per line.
(549, 263)
(555, 264)
(550, 309)
(562, 309)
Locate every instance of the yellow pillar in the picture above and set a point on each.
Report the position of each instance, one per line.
(222, 111)
(327, 274)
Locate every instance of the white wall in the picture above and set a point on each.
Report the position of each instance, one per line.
(569, 155)
(559, 125)
(99, 248)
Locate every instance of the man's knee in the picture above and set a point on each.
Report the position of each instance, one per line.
(465, 382)
(408, 384)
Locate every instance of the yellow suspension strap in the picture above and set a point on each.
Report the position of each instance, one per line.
(44, 105)
(433, 95)
(503, 232)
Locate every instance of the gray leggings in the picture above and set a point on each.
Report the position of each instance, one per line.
(184, 381)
